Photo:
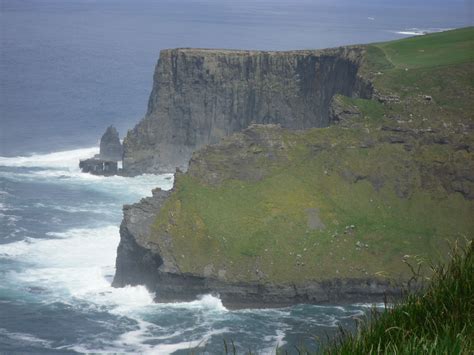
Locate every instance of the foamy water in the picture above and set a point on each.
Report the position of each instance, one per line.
(420, 31)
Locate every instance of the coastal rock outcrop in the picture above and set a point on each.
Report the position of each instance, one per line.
(111, 151)
(110, 145)
(202, 95)
(98, 166)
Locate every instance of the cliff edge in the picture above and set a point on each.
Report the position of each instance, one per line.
(202, 95)
(273, 215)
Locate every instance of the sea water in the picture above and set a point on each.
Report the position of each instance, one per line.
(70, 68)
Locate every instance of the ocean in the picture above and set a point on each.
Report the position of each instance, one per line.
(70, 68)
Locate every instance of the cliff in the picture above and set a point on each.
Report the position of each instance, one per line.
(201, 95)
(272, 216)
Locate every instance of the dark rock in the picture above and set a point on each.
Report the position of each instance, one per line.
(98, 166)
(408, 147)
(395, 129)
(367, 143)
(340, 112)
(351, 176)
(396, 140)
(441, 140)
(463, 146)
(110, 146)
(386, 98)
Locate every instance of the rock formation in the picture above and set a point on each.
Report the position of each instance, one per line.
(110, 146)
(200, 96)
(105, 163)
(98, 166)
(273, 215)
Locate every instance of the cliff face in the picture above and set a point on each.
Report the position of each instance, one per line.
(200, 96)
(272, 215)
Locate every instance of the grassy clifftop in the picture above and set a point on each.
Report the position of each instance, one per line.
(395, 178)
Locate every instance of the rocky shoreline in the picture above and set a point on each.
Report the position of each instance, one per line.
(139, 263)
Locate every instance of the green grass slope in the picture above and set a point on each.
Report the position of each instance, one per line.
(437, 321)
(350, 201)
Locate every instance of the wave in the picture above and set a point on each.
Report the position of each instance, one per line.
(62, 159)
(76, 267)
(420, 32)
(63, 168)
(207, 302)
(24, 338)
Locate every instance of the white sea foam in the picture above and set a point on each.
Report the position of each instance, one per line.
(76, 267)
(208, 302)
(132, 188)
(420, 32)
(23, 338)
(371, 305)
(276, 340)
(63, 168)
(68, 158)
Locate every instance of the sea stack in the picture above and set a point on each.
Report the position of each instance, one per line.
(110, 146)
(105, 163)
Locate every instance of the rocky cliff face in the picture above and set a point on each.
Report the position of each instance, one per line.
(200, 96)
(142, 260)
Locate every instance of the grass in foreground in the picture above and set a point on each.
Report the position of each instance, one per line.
(440, 320)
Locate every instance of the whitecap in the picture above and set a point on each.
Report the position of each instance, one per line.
(371, 305)
(25, 338)
(277, 340)
(208, 302)
(420, 32)
(67, 158)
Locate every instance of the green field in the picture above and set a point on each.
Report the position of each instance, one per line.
(352, 200)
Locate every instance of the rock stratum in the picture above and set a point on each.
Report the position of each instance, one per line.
(202, 95)
(275, 215)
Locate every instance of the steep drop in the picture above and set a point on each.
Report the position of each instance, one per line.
(202, 95)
